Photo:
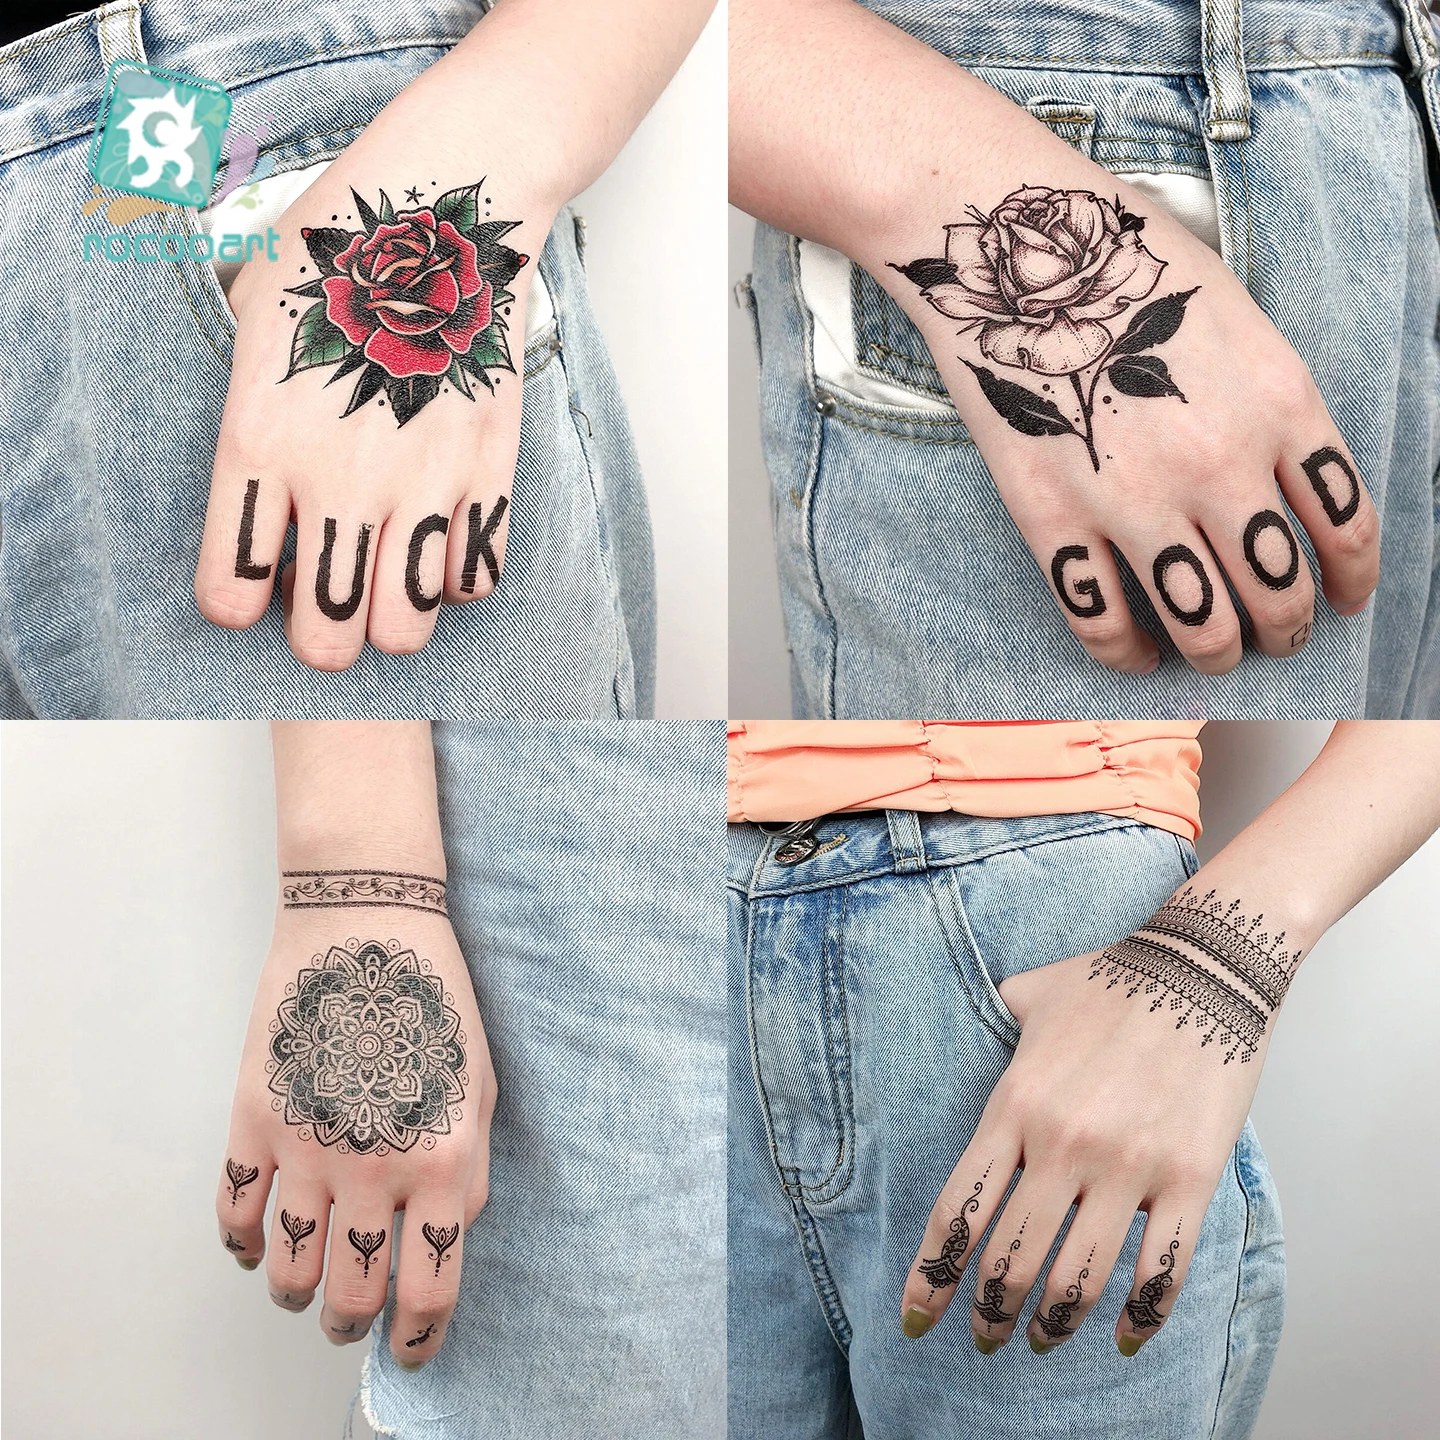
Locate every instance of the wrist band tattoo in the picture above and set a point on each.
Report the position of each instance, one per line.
(344, 889)
(1211, 963)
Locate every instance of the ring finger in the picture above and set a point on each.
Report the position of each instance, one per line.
(359, 1271)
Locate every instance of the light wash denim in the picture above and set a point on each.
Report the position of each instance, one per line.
(907, 588)
(585, 876)
(116, 375)
(866, 1036)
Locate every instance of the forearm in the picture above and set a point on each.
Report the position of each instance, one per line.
(542, 94)
(354, 794)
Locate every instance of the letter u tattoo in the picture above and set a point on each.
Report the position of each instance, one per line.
(430, 525)
(346, 608)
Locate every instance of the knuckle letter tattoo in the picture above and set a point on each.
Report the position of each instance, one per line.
(415, 300)
(343, 609)
(367, 1053)
(1035, 281)
(1259, 523)
(430, 525)
(1184, 555)
(245, 566)
(1210, 964)
(1337, 512)
(1088, 587)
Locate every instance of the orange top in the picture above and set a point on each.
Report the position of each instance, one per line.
(787, 770)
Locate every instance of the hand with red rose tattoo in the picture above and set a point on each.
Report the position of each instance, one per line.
(375, 395)
(1125, 391)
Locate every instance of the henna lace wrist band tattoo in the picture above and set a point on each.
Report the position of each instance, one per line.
(1207, 960)
(343, 889)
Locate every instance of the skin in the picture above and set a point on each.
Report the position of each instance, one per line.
(847, 131)
(340, 785)
(1108, 1108)
(472, 114)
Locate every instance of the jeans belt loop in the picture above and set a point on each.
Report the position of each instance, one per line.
(906, 840)
(1223, 54)
(1420, 41)
(118, 28)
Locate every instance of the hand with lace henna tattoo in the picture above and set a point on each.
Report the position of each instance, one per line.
(1124, 389)
(1136, 1065)
(376, 388)
(365, 1080)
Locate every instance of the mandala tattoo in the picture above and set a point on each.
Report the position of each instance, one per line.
(1211, 964)
(1036, 281)
(1142, 1308)
(415, 300)
(944, 1269)
(366, 1051)
(367, 1242)
(232, 1244)
(344, 889)
(441, 1238)
(1055, 1322)
(422, 1337)
(297, 1228)
(990, 1307)
(239, 1177)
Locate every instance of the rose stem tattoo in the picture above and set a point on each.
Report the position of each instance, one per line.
(430, 525)
(1056, 1322)
(1089, 587)
(239, 1176)
(245, 566)
(423, 1336)
(1184, 555)
(478, 547)
(944, 1270)
(441, 1239)
(1314, 467)
(366, 1052)
(232, 1244)
(1210, 963)
(991, 1305)
(415, 301)
(344, 609)
(351, 889)
(1033, 280)
(367, 1242)
(1142, 1309)
(297, 1228)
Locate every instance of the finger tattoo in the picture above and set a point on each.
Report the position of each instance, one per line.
(367, 1242)
(1259, 523)
(990, 1307)
(342, 609)
(441, 1238)
(1143, 1307)
(245, 566)
(239, 1177)
(1184, 555)
(297, 1228)
(944, 1270)
(1088, 587)
(1336, 511)
(430, 525)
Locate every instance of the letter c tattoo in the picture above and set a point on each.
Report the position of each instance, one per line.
(1088, 587)
(1259, 523)
(430, 525)
(1184, 555)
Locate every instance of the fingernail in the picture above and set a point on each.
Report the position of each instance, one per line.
(916, 1322)
(1129, 1344)
(987, 1344)
(1040, 1347)
(246, 1264)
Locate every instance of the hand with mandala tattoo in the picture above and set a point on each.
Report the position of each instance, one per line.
(1136, 1066)
(1125, 391)
(365, 1089)
(375, 396)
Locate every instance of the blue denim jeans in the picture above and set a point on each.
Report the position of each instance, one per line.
(867, 1033)
(907, 588)
(117, 375)
(585, 864)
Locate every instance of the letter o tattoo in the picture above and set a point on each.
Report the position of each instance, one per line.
(1314, 468)
(1184, 555)
(430, 525)
(1089, 587)
(1259, 523)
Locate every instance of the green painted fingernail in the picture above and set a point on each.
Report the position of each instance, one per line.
(246, 1264)
(1129, 1344)
(1040, 1347)
(987, 1344)
(916, 1322)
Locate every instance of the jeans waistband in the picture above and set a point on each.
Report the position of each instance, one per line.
(893, 842)
(51, 82)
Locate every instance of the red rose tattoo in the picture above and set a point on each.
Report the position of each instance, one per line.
(416, 302)
(1037, 281)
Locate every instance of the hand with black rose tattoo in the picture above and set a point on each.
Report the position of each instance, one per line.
(365, 1087)
(375, 394)
(1136, 1065)
(1129, 398)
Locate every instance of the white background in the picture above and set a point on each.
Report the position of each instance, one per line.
(138, 894)
(655, 258)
